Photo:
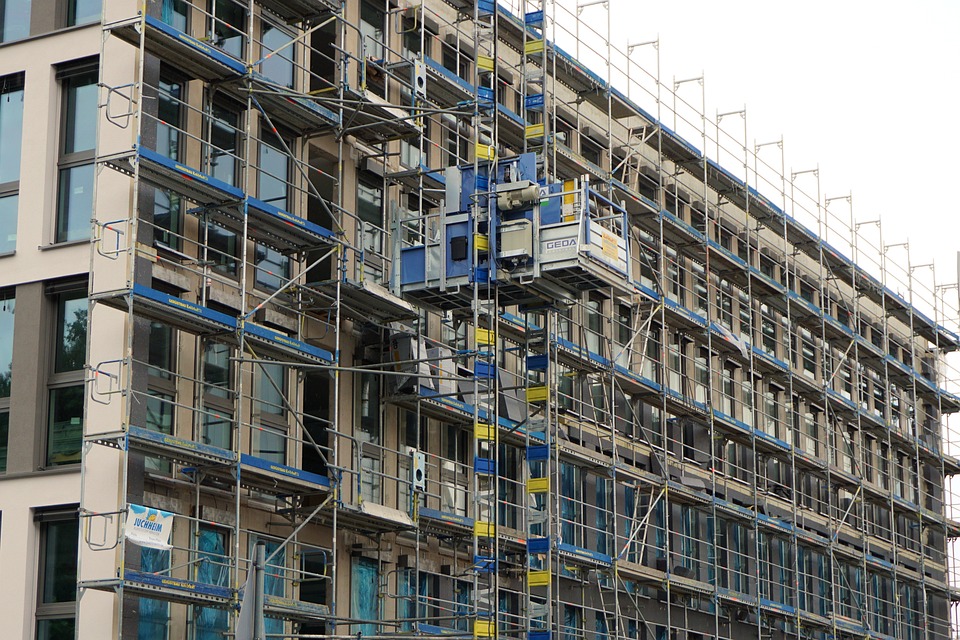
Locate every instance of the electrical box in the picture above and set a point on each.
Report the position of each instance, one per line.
(420, 78)
(516, 241)
(418, 470)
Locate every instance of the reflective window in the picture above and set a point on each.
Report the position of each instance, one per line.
(83, 11)
(14, 20)
(57, 574)
(174, 13)
(4, 437)
(223, 148)
(77, 148)
(11, 128)
(71, 337)
(65, 430)
(277, 68)
(229, 23)
(7, 306)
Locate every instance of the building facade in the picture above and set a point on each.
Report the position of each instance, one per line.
(429, 301)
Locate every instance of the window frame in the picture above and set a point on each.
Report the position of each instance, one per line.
(9, 85)
(57, 293)
(43, 518)
(77, 159)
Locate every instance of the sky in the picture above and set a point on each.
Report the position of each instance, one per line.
(866, 92)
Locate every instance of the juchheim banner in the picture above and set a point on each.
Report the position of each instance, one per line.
(148, 527)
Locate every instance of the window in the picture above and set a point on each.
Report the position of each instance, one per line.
(270, 442)
(57, 573)
(65, 421)
(78, 131)
(228, 23)
(7, 305)
(313, 585)
(372, 20)
(272, 267)
(217, 420)
(167, 219)
(220, 247)
(370, 212)
(223, 148)
(365, 594)
(14, 20)
(11, 126)
(212, 567)
(369, 436)
(277, 68)
(174, 13)
(82, 12)
(154, 614)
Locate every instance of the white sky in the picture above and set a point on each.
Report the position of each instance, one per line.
(866, 90)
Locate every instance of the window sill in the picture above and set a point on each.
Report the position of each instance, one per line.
(53, 32)
(51, 471)
(59, 245)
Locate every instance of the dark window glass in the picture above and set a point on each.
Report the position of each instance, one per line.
(154, 614)
(217, 428)
(211, 624)
(229, 24)
(4, 436)
(222, 249)
(58, 560)
(71, 338)
(161, 347)
(66, 426)
(271, 380)
(159, 417)
(169, 99)
(7, 304)
(82, 12)
(14, 19)
(274, 171)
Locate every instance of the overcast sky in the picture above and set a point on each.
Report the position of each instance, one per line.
(867, 91)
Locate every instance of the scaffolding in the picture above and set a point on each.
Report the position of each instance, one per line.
(419, 297)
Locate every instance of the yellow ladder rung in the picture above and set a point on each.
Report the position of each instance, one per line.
(484, 431)
(485, 336)
(481, 242)
(483, 629)
(484, 529)
(486, 151)
(538, 578)
(534, 131)
(538, 485)
(533, 46)
(485, 63)
(537, 394)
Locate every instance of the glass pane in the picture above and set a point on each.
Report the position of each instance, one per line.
(222, 150)
(6, 344)
(66, 426)
(272, 383)
(11, 124)
(222, 249)
(55, 629)
(83, 12)
(161, 350)
(174, 13)
(229, 26)
(273, 268)
(80, 113)
(277, 68)
(59, 578)
(217, 427)
(75, 203)
(210, 624)
(166, 218)
(159, 408)
(71, 332)
(168, 112)
(269, 445)
(14, 20)
(4, 435)
(154, 614)
(8, 222)
(216, 369)
(273, 174)
(364, 594)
